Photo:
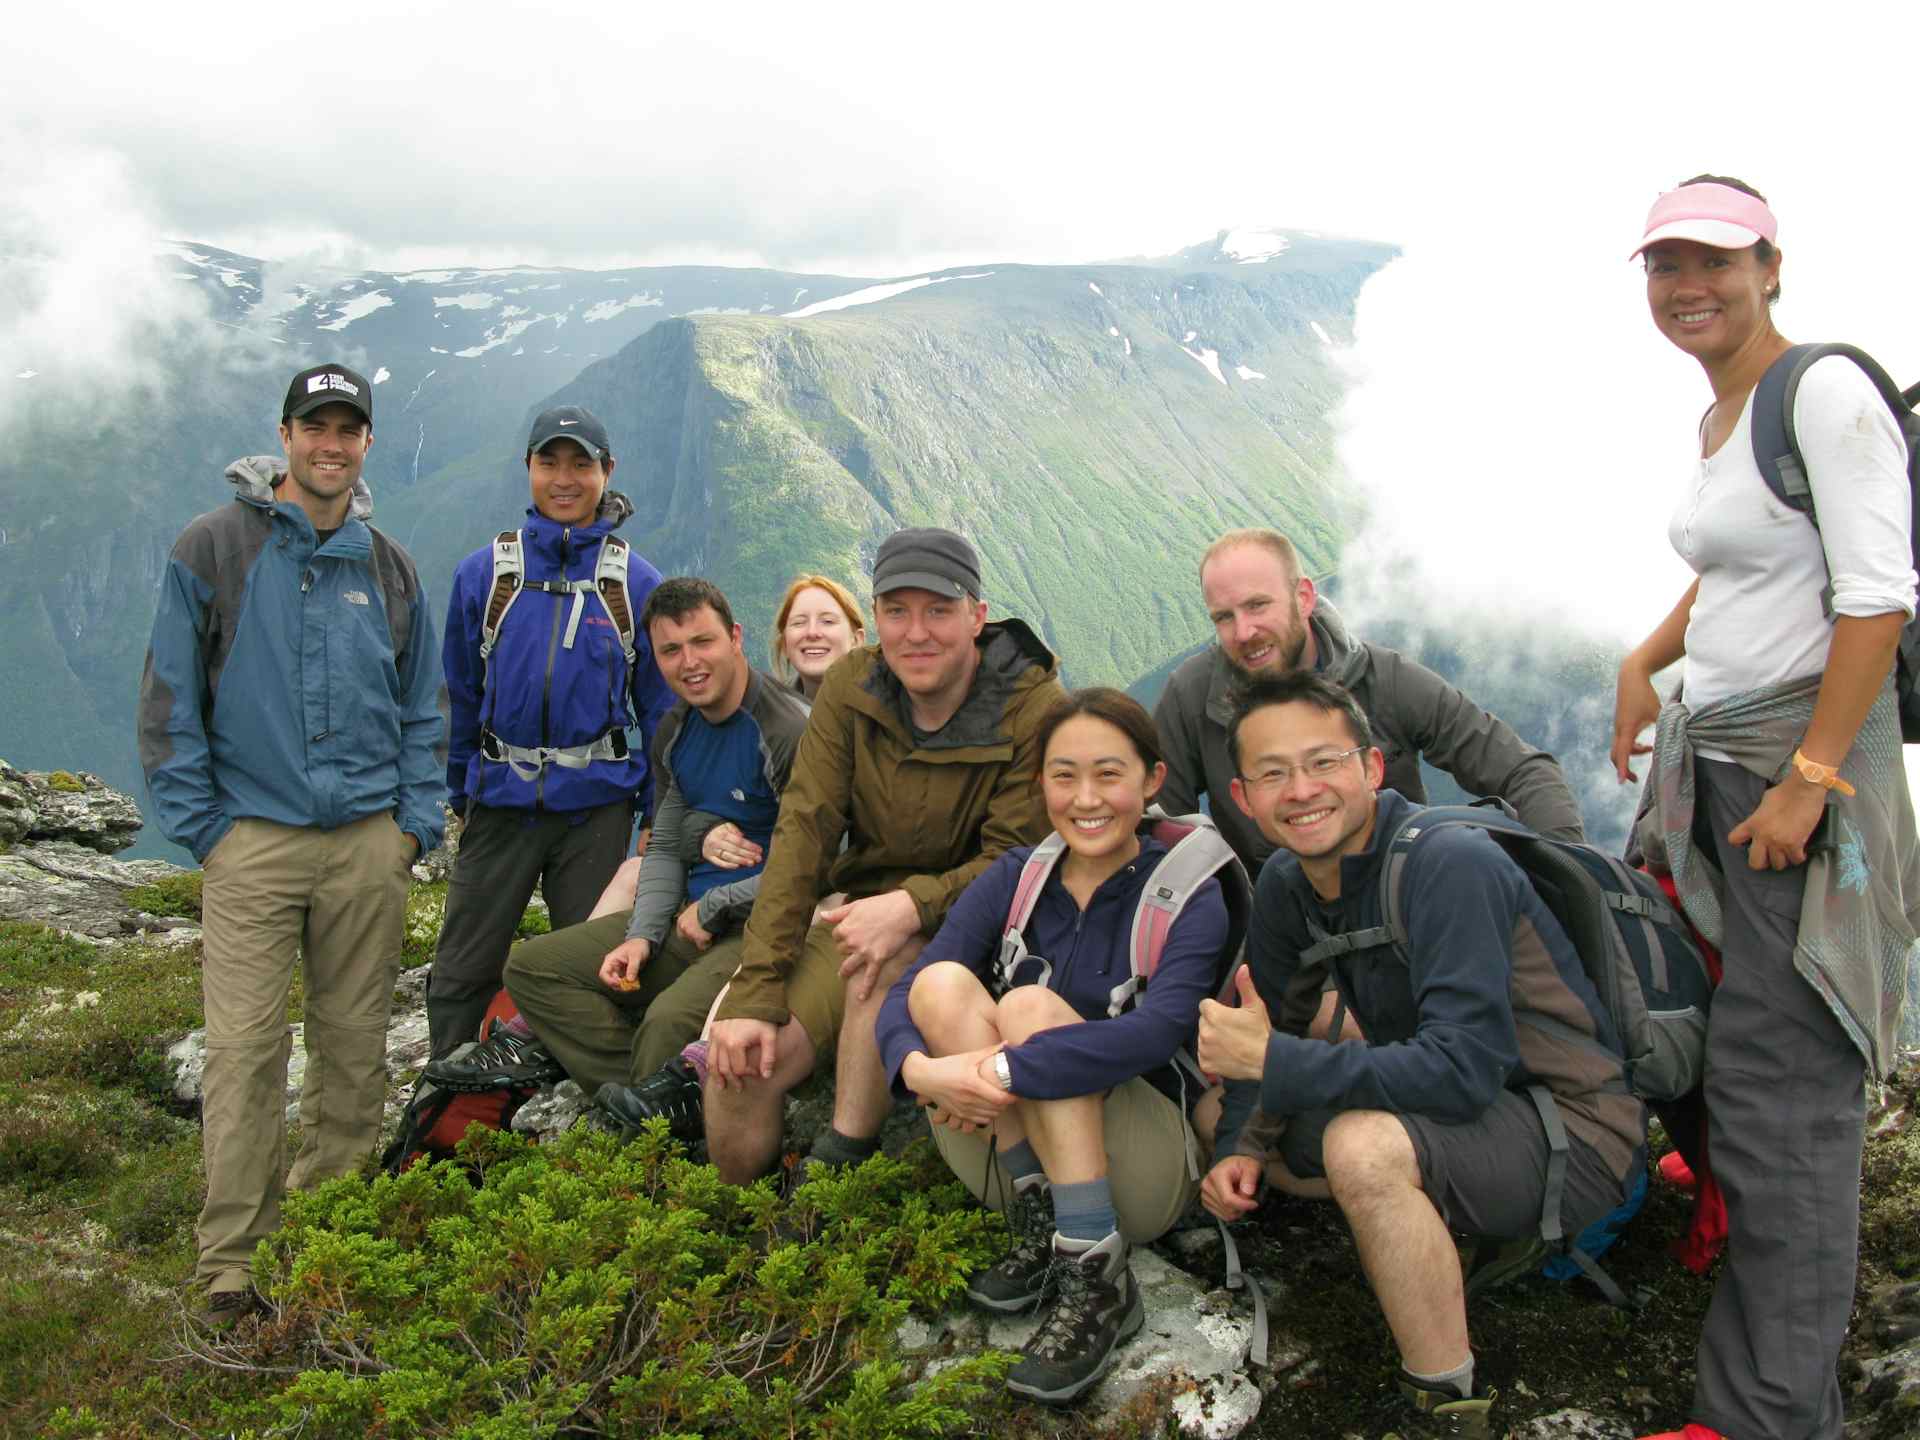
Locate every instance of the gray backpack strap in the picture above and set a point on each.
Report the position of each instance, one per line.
(509, 577)
(1550, 1230)
(1239, 1279)
(610, 582)
(1026, 893)
(1195, 859)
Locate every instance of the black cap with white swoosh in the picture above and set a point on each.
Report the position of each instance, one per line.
(570, 422)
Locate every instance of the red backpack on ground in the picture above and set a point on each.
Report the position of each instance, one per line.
(437, 1119)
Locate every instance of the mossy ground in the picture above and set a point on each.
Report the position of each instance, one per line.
(100, 1182)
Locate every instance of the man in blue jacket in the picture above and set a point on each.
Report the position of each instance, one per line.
(1438, 1122)
(292, 728)
(546, 670)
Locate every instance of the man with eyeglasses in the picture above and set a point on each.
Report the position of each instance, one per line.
(1269, 620)
(1415, 1133)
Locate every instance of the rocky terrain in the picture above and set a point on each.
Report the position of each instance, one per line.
(98, 984)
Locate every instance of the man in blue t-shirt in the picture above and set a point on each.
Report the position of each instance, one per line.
(614, 999)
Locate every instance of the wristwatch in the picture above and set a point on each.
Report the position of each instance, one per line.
(1827, 777)
(1002, 1071)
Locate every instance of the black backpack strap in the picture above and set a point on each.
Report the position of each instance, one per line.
(423, 1112)
(1776, 448)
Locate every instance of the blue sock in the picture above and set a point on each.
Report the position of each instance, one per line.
(1085, 1211)
(1019, 1161)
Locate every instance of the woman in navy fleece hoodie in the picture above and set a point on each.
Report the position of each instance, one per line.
(1080, 1114)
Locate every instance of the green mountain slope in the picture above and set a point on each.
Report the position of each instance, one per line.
(1090, 429)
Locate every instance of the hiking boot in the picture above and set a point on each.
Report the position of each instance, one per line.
(1021, 1278)
(503, 1061)
(1096, 1310)
(1468, 1416)
(671, 1093)
(1495, 1262)
(226, 1308)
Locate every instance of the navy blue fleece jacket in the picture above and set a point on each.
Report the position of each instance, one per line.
(1088, 951)
(1441, 1036)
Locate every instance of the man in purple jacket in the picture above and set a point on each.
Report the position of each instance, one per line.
(545, 673)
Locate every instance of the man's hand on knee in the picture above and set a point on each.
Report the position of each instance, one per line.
(870, 932)
(1232, 1188)
(742, 1050)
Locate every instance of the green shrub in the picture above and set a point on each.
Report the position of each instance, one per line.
(618, 1288)
(170, 895)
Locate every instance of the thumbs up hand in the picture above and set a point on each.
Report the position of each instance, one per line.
(1233, 1040)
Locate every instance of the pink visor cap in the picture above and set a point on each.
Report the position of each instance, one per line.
(1717, 215)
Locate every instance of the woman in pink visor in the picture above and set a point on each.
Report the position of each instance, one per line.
(1776, 797)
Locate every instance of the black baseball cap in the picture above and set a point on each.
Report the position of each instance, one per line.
(327, 385)
(570, 422)
(927, 559)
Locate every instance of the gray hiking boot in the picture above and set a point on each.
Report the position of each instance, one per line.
(1021, 1278)
(1096, 1310)
(225, 1309)
(1470, 1416)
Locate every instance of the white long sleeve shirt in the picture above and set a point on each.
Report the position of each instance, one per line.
(1762, 566)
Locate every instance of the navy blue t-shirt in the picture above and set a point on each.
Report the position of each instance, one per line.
(720, 769)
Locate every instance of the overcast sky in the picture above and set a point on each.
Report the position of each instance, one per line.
(1520, 427)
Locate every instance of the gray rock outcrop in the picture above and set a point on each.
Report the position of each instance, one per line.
(76, 887)
(66, 805)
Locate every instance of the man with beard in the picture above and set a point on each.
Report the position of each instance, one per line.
(1269, 620)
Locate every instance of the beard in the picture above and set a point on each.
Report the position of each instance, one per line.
(1290, 645)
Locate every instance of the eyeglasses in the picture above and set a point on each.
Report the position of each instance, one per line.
(1320, 767)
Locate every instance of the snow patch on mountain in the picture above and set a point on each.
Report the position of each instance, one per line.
(874, 292)
(1209, 359)
(468, 300)
(358, 308)
(1114, 330)
(1320, 330)
(382, 375)
(1128, 343)
(607, 309)
(1096, 290)
(1250, 245)
(1247, 372)
(498, 335)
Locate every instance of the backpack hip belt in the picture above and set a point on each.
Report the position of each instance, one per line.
(527, 761)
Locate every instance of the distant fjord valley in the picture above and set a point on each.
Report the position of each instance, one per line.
(1091, 427)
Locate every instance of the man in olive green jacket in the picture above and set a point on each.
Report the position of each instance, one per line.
(917, 769)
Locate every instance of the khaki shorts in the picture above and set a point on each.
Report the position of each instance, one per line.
(1146, 1140)
(816, 995)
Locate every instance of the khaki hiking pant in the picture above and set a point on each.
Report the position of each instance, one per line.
(603, 1035)
(1146, 1141)
(335, 901)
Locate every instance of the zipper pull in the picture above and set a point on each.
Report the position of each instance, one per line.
(306, 582)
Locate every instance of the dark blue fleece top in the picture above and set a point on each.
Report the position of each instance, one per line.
(1088, 951)
(1441, 1039)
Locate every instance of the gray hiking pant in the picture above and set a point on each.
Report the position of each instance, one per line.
(1786, 1108)
(503, 855)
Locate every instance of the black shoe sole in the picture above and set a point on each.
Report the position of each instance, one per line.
(1130, 1326)
(1001, 1305)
